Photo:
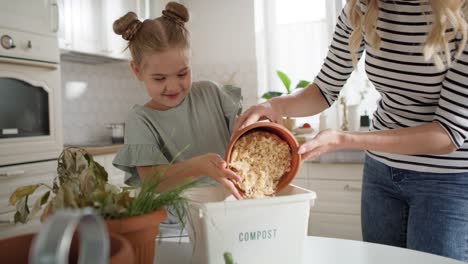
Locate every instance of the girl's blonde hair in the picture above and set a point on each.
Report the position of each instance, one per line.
(154, 35)
(445, 12)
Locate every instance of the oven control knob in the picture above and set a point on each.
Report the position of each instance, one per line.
(7, 42)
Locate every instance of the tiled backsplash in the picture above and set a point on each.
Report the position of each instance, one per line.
(96, 95)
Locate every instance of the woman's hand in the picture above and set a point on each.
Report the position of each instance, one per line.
(258, 112)
(214, 166)
(325, 141)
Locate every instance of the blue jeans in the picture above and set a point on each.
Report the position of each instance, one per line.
(421, 211)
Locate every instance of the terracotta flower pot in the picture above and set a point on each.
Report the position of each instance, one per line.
(281, 132)
(16, 250)
(141, 231)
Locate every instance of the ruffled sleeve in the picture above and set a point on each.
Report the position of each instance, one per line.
(231, 102)
(141, 148)
(133, 155)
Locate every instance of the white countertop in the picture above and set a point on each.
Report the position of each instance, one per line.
(320, 250)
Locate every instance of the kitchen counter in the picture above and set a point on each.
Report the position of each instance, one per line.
(98, 148)
(321, 250)
(338, 156)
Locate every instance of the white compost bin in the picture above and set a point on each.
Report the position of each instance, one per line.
(269, 230)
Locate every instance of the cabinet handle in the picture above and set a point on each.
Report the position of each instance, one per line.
(11, 173)
(55, 17)
(350, 188)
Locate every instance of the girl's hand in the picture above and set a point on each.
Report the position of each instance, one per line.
(325, 141)
(214, 166)
(258, 112)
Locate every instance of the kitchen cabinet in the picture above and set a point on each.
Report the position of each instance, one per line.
(12, 177)
(337, 209)
(86, 25)
(38, 17)
(115, 176)
(81, 26)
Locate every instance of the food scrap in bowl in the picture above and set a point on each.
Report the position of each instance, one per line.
(260, 158)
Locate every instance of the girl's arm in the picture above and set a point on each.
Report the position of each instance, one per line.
(210, 164)
(430, 138)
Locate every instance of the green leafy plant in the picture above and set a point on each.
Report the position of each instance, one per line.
(82, 182)
(287, 85)
(228, 259)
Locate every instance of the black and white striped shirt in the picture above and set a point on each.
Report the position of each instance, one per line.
(413, 91)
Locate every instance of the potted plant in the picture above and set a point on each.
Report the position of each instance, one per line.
(134, 213)
(17, 249)
(289, 122)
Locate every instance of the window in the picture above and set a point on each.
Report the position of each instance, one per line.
(293, 36)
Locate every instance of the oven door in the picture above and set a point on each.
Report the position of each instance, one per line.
(30, 111)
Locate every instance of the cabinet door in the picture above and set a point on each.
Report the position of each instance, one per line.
(115, 176)
(115, 45)
(38, 17)
(13, 177)
(335, 171)
(340, 197)
(65, 32)
(335, 225)
(87, 20)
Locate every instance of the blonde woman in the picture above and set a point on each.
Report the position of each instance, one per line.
(415, 184)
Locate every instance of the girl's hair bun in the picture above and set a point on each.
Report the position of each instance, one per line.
(176, 12)
(127, 26)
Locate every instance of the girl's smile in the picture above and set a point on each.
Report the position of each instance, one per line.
(172, 96)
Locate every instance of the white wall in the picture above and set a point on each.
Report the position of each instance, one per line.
(157, 6)
(223, 43)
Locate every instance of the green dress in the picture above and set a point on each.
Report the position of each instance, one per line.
(201, 124)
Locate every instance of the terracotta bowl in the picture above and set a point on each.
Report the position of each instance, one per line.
(281, 132)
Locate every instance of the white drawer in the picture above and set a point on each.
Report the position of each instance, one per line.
(9, 229)
(335, 225)
(334, 171)
(115, 176)
(338, 197)
(43, 172)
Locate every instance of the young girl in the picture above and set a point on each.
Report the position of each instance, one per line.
(415, 184)
(185, 127)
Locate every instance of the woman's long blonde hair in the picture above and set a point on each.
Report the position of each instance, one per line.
(446, 13)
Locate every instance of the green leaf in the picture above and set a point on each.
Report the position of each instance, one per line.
(228, 258)
(81, 161)
(39, 203)
(86, 182)
(22, 210)
(66, 197)
(21, 192)
(269, 95)
(302, 84)
(285, 79)
(98, 171)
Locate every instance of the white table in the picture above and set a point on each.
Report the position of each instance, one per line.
(320, 250)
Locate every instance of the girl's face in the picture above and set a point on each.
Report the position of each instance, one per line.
(167, 77)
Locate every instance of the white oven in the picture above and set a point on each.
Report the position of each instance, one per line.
(30, 108)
